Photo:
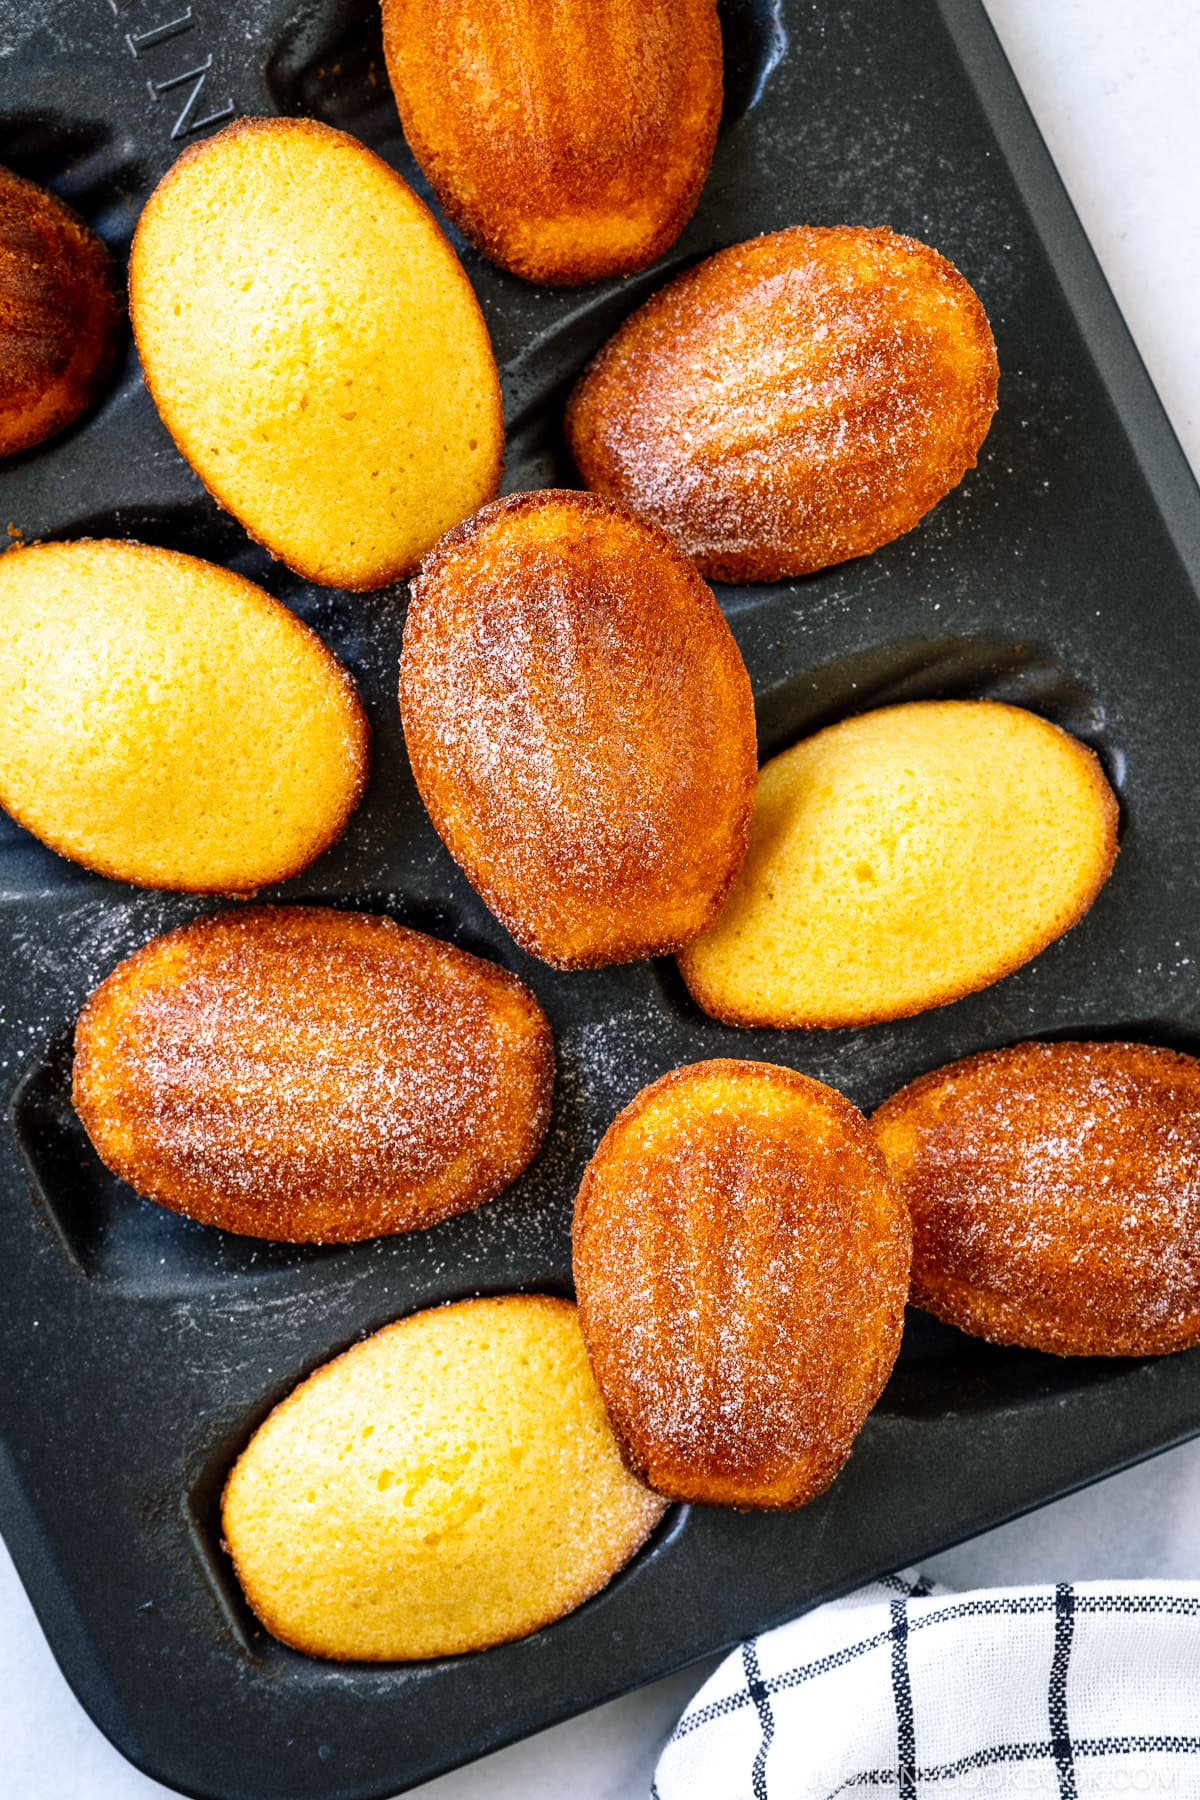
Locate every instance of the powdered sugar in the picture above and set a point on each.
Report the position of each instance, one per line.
(1055, 1191)
(792, 402)
(580, 725)
(741, 1264)
(304, 1073)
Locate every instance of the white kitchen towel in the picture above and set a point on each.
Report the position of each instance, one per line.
(1085, 1689)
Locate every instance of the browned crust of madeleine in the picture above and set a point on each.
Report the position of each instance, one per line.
(860, 387)
(61, 313)
(360, 748)
(595, 115)
(728, 1377)
(312, 1075)
(385, 573)
(718, 1006)
(624, 1550)
(1055, 1195)
(661, 699)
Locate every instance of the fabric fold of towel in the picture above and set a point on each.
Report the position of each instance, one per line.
(1074, 1691)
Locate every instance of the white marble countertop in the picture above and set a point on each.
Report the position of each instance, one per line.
(1114, 86)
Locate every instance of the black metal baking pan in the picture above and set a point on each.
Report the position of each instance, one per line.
(138, 1351)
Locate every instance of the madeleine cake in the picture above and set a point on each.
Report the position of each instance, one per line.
(315, 349)
(567, 142)
(791, 402)
(309, 1074)
(741, 1262)
(166, 722)
(902, 859)
(61, 314)
(450, 1483)
(580, 725)
(1055, 1195)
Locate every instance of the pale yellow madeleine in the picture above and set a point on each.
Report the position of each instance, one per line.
(315, 349)
(449, 1483)
(168, 723)
(902, 859)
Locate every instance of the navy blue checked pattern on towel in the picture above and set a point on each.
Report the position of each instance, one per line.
(1070, 1692)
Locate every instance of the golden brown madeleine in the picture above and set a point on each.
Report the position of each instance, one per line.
(741, 1262)
(793, 401)
(902, 859)
(579, 722)
(166, 722)
(60, 314)
(1055, 1195)
(315, 349)
(312, 1075)
(567, 142)
(450, 1483)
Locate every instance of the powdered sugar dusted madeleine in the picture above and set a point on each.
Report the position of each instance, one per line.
(794, 401)
(449, 1483)
(60, 314)
(580, 725)
(1055, 1195)
(315, 349)
(312, 1075)
(568, 142)
(168, 723)
(902, 859)
(741, 1263)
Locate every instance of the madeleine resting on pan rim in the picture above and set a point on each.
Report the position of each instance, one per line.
(741, 1260)
(450, 1483)
(580, 725)
(791, 402)
(902, 859)
(1055, 1195)
(311, 1075)
(166, 722)
(567, 142)
(315, 349)
(61, 314)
